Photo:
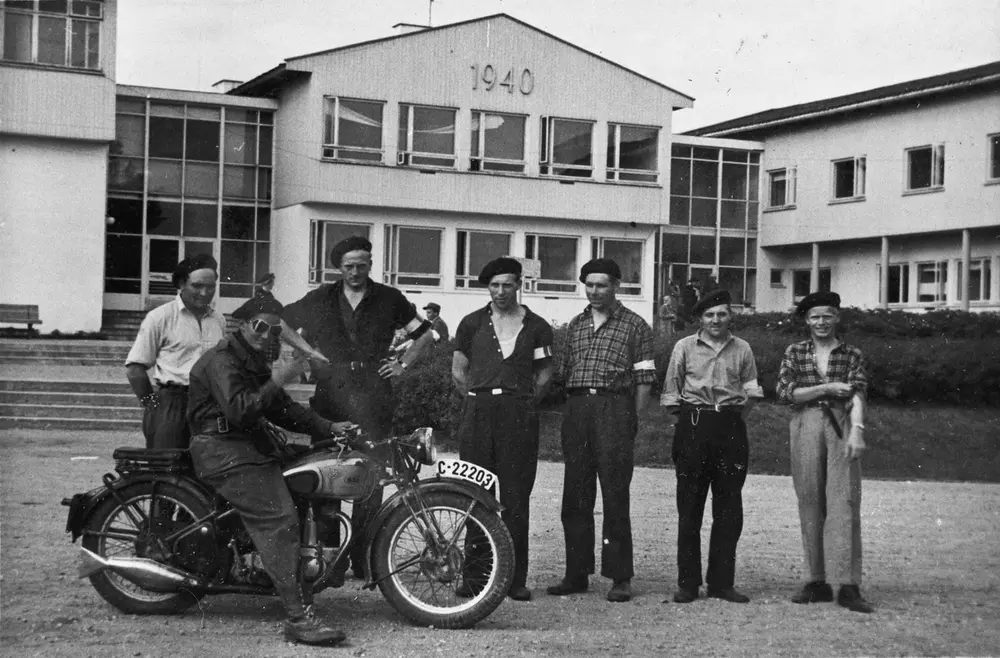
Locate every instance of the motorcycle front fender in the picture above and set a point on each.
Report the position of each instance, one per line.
(425, 487)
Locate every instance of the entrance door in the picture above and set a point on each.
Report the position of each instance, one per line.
(164, 254)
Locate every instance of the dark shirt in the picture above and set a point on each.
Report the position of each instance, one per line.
(477, 340)
(616, 357)
(798, 368)
(441, 328)
(345, 334)
(231, 380)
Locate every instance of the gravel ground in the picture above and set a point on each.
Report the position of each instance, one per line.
(932, 567)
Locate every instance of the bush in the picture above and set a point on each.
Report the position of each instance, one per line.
(425, 396)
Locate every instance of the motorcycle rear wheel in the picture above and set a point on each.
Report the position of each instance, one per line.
(421, 583)
(110, 517)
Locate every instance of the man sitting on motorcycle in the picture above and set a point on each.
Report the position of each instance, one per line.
(233, 386)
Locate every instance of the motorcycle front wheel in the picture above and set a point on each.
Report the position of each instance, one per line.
(421, 561)
(133, 530)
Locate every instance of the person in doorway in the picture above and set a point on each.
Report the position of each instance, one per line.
(711, 383)
(438, 325)
(668, 311)
(171, 339)
(502, 366)
(608, 369)
(825, 381)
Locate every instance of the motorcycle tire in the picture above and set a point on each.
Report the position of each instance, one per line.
(182, 508)
(423, 587)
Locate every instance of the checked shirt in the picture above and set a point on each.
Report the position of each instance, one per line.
(616, 357)
(798, 368)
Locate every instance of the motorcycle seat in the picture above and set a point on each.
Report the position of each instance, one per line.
(156, 460)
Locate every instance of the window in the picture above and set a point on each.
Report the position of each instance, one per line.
(412, 256)
(849, 178)
(566, 148)
(932, 281)
(474, 250)
(323, 236)
(781, 188)
(632, 153)
(801, 285)
(979, 279)
(628, 255)
(925, 168)
(426, 136)
(53, 32)
(994, 163)
(899, 283)
(776, 281)
(353, 130)
(558, 257)
(497, 142)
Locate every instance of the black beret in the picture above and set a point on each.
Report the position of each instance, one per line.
(257, 305)
(497, 266)
(714, 298)
(817, 299)
(188, 265)
(347, 245)
(266, 278)
(434, 307)
(600, 266)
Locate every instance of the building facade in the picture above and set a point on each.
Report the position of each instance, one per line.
(890, 197)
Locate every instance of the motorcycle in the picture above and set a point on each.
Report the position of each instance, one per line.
(156, 539)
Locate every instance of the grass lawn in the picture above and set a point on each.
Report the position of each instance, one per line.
(904, 442)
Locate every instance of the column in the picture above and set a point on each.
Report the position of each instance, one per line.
(884, 283)
(963, 293)
(814, 273)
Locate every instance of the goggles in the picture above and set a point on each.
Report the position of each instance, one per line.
(262, 327)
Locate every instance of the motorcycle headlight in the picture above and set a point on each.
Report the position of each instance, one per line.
(423, 440)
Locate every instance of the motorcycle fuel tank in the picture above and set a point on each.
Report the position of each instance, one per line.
(352, 476)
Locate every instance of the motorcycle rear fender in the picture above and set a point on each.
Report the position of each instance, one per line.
(81, 505)
(426, 487)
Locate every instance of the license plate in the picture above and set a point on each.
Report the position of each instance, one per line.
(463, 470)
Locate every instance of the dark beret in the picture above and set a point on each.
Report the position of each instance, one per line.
(714, 298)
(257, 305)
(817, 299)
(600, 266)
(497, 266)
(347, 245)
(266, 278)
(188, 265)
(434, 307)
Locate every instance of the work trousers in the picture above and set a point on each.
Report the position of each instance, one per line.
(500, 433)
(165, 425)
(598, 441)
(709, 452)
(828, 486)
(365, 398)
(258, 493)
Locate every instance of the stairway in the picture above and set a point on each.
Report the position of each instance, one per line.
(124, 325)
(63, 352)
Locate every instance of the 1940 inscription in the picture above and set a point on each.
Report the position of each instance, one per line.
(489, 78)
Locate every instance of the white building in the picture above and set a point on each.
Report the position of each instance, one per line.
(902, 180)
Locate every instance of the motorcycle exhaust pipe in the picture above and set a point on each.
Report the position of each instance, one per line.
(147, 574)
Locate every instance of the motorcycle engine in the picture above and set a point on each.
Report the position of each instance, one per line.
(352, 476)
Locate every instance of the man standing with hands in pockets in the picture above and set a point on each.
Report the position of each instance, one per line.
(825, 381)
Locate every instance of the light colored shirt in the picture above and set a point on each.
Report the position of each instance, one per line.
(171, 340)
(698, 374)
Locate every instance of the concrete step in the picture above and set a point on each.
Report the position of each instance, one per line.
(113, 348)
(78, 399)
(7, 422)
(72, 360)
(59, 386)
(75, 412)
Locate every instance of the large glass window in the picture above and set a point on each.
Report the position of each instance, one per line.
(899, 283)
(473, 250)
(353, 130)
(52, 32)
(558, 259)
(932, 281)
(566, 148)
(497, 142)
(426, 136)
(323, 235)
(412, 256)
(979, 279)
(628, 255)
(633, 153)
(925, 168)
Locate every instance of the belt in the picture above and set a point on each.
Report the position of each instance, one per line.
(593, 391)
(714, 408)
(492, 391)
(219, 425)
(355, 366)
(828, 406)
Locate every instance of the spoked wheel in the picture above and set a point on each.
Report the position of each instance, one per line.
(421, 562)
(136, 529)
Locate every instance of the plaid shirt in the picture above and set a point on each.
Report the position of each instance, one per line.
(798, 368)
(617, 357)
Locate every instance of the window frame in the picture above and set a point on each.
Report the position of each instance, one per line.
(633, 290)
(550, 287)
(859, 175)
(464, 278)
(330, 151)
(392, 276)
(480, 145)
(35, 14)
(405, 155)
(546, 163)
(323, 272)
(791, 188)
(614, 174)
(937, 169)
(940, 281)
(984, 265)
(993, 159)
(824, 272)
(903, 288)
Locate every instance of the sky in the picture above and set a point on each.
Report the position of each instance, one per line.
(735, 57)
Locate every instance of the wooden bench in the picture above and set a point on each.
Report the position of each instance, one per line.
(19, 314)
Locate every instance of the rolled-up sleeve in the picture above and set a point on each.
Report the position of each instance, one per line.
(748, 376)
(146, 345)
(787, 376)
(673, 383)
